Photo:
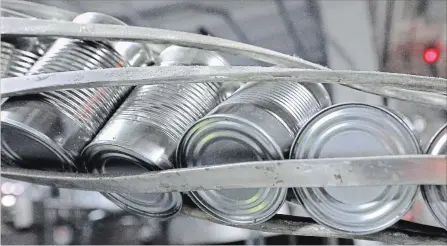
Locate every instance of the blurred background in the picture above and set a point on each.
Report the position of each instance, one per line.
(384, 35)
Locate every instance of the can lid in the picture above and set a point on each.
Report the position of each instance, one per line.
(219, 139)
(436, 195)
(110, 157)
(352, 130)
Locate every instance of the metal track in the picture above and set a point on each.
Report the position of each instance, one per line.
(357, 171)
(391, 170)
(45, 28)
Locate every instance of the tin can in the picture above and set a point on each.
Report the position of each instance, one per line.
(7, 50)
(16, 62)
(436, 195)
(258, 122)
(143, 134)
(58, 124)
(353, 130)
(180, 56)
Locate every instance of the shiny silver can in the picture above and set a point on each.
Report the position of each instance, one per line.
(16, 62)
(258, 122)
(436, 195)
(7, 50)
(48, 130)
(355, 130)
(143, 134)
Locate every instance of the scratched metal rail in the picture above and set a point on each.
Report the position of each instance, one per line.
(361, 171)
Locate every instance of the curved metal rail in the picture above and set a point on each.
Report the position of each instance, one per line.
(355, 171)
(419, 85)
(24, 27)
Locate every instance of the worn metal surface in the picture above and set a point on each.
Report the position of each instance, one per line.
(183, 74)
(401, 233)
(43, 28)
(359, 171)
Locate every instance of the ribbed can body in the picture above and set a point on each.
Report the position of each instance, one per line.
(144, 133)
(293, 103)
(58, 124)
(257, 123)
(171, 108)
(15, 62)
(90, 107)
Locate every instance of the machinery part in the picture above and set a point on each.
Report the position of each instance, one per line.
(158, 36)
(353, 171)
(402, 170)
(165, 75)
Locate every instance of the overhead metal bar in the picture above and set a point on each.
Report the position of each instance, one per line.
(47, 28)
(197, 74)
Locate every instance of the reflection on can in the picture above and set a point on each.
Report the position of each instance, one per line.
(436, 195)
(258, 122)
(143, 134)
(354, 130)
(58, 124)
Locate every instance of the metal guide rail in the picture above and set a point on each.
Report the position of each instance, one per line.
(359, 171)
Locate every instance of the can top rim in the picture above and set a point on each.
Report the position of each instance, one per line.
(343, 105)
(42, 139)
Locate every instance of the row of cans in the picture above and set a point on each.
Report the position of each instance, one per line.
(157, 127)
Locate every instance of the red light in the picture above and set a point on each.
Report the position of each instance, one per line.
(431, 55)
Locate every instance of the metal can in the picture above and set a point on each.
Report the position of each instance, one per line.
(143, 134)
(16, 62)
(58, 124)
(353, 130)
(436, 195)
(7, 50)
(258, 122)
(180, 56)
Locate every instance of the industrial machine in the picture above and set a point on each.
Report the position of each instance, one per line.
(167, 130)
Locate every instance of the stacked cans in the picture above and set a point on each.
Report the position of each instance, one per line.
(48, 130)
(436, 195)
(258, 122)
(355, 130)
(143, 134)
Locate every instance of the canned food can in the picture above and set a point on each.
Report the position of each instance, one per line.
(7, 50)
(16, 62)
(181, 56)
(353, 130)
(436, 195)
(48, 130)
(143, 134)
(258, 122)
